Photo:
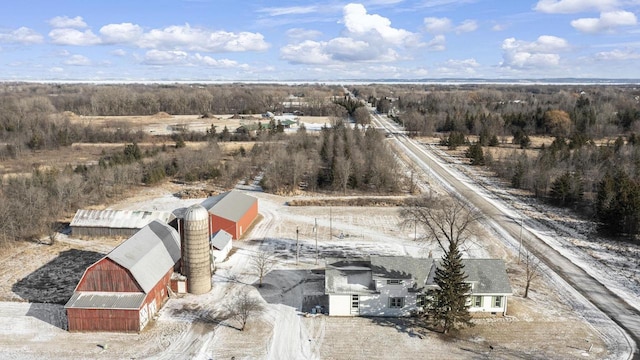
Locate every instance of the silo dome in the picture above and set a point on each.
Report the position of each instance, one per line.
(196, 255)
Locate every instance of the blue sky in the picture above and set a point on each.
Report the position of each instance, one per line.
(284, 40)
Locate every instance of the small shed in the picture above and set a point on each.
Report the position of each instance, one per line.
(122, 291)
(232, 211)
(116, 223)
(220, 246)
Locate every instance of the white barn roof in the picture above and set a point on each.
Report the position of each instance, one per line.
(149, 254)
(121, 219)
(231, 205)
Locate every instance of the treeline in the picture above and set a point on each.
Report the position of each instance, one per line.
(32, 206)
(341, 158)
(592, 165)
(177, 99)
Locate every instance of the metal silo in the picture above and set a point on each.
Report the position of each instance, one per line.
(196, 255)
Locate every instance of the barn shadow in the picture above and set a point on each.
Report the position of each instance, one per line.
(301, 289)
(53, 314)
(54, 282)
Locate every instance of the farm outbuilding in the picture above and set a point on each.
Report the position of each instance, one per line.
(114, 223)
(122, 291)
(232, 211)
(220, 246)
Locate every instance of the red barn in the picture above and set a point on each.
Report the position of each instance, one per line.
(233, 212)
(123, 290)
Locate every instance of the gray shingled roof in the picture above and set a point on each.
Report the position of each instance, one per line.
(231, 205)
(106, 300)
(118, 219)
(220, 239)
(489, 276)
(149, 253)
(355, 275)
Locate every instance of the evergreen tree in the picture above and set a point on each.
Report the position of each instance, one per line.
(618, 204)
(476, 154)
(448, 307)
(567, 189)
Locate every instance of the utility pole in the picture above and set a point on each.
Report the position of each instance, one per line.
(297, 247)
(520, 246)
(315, 230)
(330, 224)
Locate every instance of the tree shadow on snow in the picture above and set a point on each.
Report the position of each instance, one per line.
(412, 326)
(55, 281)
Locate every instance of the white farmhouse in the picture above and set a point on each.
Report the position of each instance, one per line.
(397, 285)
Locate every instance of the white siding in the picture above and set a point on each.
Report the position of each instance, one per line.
(340, 305)
(488, 302)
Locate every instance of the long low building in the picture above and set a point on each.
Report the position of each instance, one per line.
(114, 223)
(122, 291)
(232, 211)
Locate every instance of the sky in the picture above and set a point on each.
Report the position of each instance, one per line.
(330, 40)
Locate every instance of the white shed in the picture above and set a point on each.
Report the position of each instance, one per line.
(221, 242)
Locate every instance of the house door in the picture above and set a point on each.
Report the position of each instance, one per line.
(355, 304)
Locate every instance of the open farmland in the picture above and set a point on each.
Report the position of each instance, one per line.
(195, 326)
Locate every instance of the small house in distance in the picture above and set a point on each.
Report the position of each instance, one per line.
(232, 211)
(398, 285)
(122, 291)
(114, 223)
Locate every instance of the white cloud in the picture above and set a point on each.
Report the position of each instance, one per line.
(120, 33)
(290, 10)
(221, 63)
(360, 24)
(197, 39)
(367, 38)
(574, 6)
(437, 25)
(300, 34)
(438, 43)
(78, 60)
(119, 52)
(467, 26)
(67, 22)
(307, 52)
(56, 69)
(606, 22)
(498, 27)
(161, 57)
(73, 37)
(465, 67)
(540, 53)
(618, 55)
(443, 25)
(22, 35)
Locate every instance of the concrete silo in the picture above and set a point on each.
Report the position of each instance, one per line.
(196, 259)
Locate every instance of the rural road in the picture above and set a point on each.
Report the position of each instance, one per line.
(624, 315)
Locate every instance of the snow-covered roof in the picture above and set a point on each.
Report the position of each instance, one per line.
(348, 276)
(118, 219)
(149, 253)
(489, 276)
(231, 205)
(105, 300)
(220, 239)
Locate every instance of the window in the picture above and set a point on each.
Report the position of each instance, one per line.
(355, 302)
(421, 300)
(497, 301)
(396, 302)
(394, 282)
(477, 301)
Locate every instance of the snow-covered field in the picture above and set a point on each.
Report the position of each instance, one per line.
(547, 325)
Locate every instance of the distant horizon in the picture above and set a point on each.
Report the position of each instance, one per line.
(433, 81)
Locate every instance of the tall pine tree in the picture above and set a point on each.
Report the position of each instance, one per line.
(448, 307)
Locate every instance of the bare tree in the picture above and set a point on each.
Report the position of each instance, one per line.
(261, 263)
(447, 220)
(532, 271)
(243, 306)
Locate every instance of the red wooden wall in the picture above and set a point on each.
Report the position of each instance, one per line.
(106, 275)
(103, 320)
(235, 229)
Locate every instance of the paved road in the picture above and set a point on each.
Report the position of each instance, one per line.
(627, 317)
